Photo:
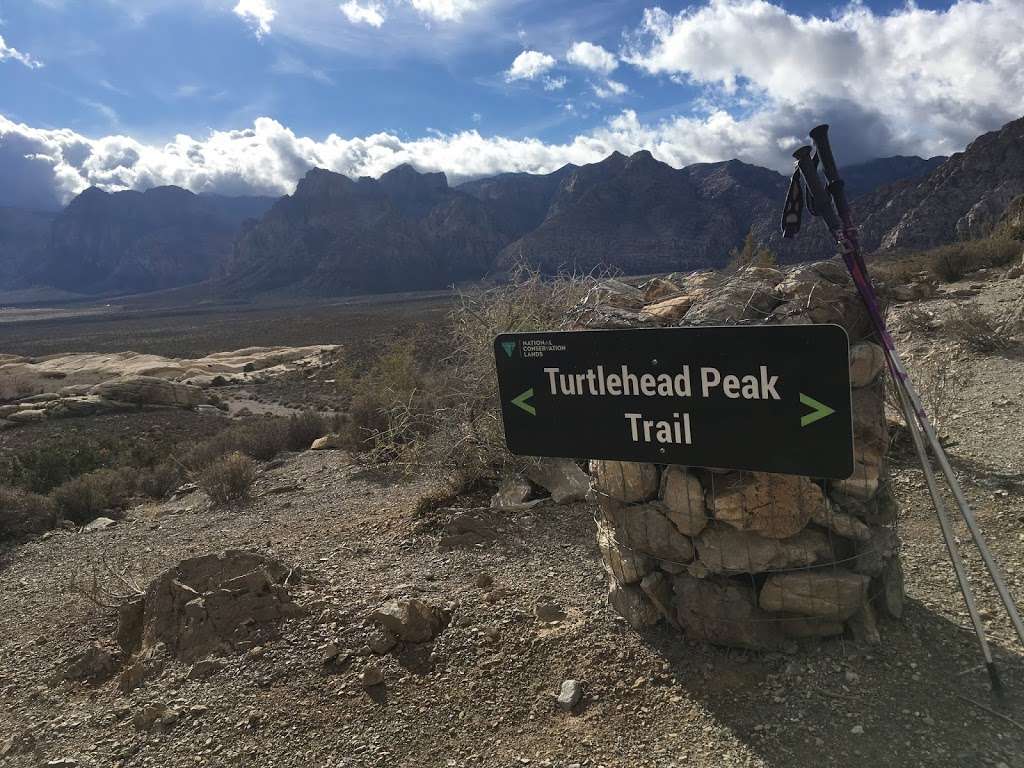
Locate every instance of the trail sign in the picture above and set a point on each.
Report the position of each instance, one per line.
(762, 398)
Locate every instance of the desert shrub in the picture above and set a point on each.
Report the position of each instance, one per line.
(994, 251)
(750, 254)
(939, 378)
(158, 481)
(976, 330)
(304, 428)
(23, 512)
(394, 402)
(466, 442)
(915, 318)
(259, 438)
(85, 497)
(228, 479)
(950, 263)
(41, 469)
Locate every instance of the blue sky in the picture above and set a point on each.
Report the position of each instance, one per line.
(458, 85)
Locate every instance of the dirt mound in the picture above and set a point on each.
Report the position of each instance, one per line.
(217, 603)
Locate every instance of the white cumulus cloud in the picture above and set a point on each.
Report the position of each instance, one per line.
(371, 13)
(592, 57)
(529, 65)
(609, 89)
(46, 167)
(10, 53)
(935, 78)
(444, 10)
(257, 13)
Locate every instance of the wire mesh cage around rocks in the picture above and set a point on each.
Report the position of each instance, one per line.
(748, 559)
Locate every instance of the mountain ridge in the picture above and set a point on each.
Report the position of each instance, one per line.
(408, 230)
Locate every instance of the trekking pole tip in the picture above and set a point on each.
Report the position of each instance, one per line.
(993, 676)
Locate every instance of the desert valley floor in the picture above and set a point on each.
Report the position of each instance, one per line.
(482, 694)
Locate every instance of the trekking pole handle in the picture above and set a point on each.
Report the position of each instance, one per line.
(822, 203)
(836, 186)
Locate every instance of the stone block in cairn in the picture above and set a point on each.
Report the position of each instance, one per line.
(755, 560)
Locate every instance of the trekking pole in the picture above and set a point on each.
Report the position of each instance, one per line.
(848, 241)
(820, 204)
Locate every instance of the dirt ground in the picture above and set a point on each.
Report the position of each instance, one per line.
(482, 694)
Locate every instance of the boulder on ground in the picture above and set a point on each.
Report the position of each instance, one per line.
(149, 390)
(724, 613)
(683, 497)
(615, 293)
(724, 549)
(625, 565)
(866, 361)
(569, 695)
(776, 506)
(828, 593)
(210, 604)
(412, 621)
(27, 416)
(874, 552)
(747, 296)
(332, 441)
(890, 597)
(630, 602)
(840, 523)
(646, 529)
(863, 484)
(670, 310)
(658, 288)
(94, 665)
(513, 491)
(626, 481)
(563, 478)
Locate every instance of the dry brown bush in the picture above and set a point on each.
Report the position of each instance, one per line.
(950, 263)
(976, 330)
(939, 378)
(440, 410)
(87, 496)
(158, 481)
(23, 512)
(229, 479)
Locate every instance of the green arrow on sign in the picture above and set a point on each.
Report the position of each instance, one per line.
(509, 347)
(820, 410)
(520, 402)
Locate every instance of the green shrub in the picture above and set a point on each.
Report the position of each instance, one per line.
(229, 479)
(84, 498)
(23, 512)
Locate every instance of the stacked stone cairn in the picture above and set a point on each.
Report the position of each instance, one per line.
(748, 559)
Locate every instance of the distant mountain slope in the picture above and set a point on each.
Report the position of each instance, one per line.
(142, 241)
(520, 201)
(409, 230)
(864, 178)
(24, 237)
(405, 230)
(963, 198)
(639, 215)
